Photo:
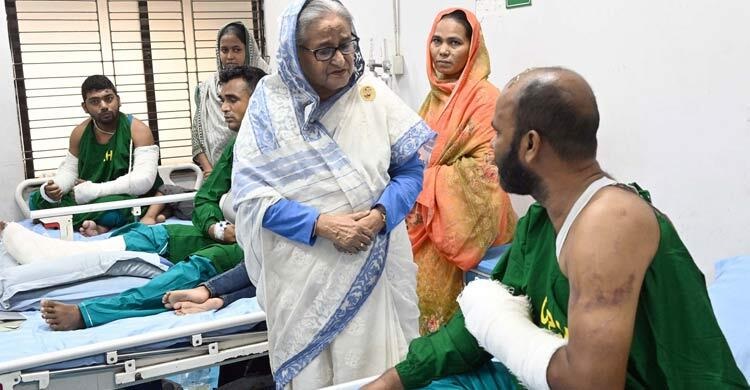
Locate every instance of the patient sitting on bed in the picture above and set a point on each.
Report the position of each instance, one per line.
(208, 247)
(111, 156)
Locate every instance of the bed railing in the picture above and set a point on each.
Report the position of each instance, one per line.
(62, 216)
(111, 347)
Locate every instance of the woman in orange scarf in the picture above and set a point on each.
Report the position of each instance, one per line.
(461, 210)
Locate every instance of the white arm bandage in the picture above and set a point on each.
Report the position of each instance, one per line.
(225, 204)
(219, 228)
(502, 325)
(65, 177)
(137, 182)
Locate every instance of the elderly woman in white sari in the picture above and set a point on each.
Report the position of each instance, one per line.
(328, 162)
(235, 46)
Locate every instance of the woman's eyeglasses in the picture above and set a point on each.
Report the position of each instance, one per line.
(326, 53)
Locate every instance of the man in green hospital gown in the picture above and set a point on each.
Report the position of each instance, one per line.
(597, 290)
(208, 248)
(111, 156)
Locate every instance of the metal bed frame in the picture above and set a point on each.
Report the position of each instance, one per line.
(62, 216)
(123, 368)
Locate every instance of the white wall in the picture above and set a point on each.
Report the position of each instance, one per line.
(11, 159)
(671, 79)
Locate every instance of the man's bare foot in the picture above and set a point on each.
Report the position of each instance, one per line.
(161, 218)
(61, 316)
(90, 228)
(197, 295)
(187, 307)
(147, 220)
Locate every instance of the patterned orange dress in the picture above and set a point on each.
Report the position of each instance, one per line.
(461, 210)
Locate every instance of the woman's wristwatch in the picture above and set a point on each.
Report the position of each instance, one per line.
(381, 208)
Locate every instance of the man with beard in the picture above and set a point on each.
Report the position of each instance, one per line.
(111, 156)
(597, 290)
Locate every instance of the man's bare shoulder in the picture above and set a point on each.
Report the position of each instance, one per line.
(618, 205)
(618, 228)
(78, 130)
(140, 133)
(75, 136)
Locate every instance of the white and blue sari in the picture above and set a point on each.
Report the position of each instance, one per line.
(332, 317)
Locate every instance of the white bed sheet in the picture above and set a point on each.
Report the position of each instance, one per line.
(76, 291)
(730, 300)
(34, 337)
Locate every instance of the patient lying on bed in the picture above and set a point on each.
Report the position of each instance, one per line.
(207, 249)
(141, 301)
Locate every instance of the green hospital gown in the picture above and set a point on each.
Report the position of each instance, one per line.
(676, 343)
(100, 163)
(197, 257)
(176, 242)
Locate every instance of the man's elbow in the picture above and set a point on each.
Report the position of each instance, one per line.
(141, 186)
(589, 377)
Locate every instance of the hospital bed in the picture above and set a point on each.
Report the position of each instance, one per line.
(165, 344)
(125, 352)
(128, 351)
(62, 216)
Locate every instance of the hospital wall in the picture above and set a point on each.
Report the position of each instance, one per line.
(672, 83)
(11, 159)
(671, 79)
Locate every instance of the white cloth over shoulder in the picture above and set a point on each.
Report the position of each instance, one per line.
(210, 133)
(332, 317)
(210, 129)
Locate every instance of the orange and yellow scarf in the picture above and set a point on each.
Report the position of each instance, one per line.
(461, 210)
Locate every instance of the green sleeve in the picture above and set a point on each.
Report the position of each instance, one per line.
(453, 350)
(207, 211)
(449, 351)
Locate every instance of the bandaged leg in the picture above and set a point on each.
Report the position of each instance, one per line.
(26, 246)
(502, 325)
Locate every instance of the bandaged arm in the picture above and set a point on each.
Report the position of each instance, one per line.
(65, 177)
(208, 201)
(502, 325)
(137, 182)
